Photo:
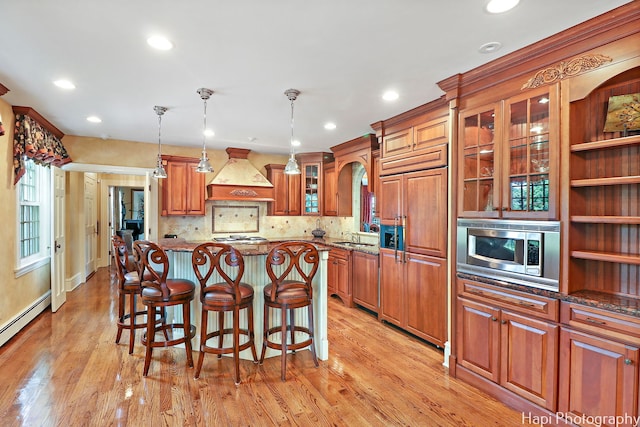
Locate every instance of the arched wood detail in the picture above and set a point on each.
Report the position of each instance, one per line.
(364, 159)
(357, 150)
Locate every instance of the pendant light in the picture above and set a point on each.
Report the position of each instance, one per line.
(159, 171)
(292, 167)
(204, 166)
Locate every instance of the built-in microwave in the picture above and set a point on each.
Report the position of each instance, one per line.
(524, 252)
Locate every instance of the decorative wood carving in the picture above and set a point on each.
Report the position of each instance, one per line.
(566, 69)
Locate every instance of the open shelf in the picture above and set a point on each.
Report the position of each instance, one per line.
(606, 256)
(605, 219)
(608, 143)
(614, 180)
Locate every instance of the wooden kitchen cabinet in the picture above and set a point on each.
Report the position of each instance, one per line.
(421, 146)
(507, 345)
(364, 279)
(330, 190)
(286, 191)
(418, 201)
(392, 293)
(509, 157)
(339, 275)
(591, 337)
(598, 376)
(413, 293)
(183, 191)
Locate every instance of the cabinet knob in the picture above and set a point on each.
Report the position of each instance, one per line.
(628, 362)
(504, 322)
(495, 319)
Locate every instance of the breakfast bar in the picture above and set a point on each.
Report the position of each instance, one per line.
(179, 252)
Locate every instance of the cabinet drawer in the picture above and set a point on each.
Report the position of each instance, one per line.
(610, 324)
(339, 253)
(522, 302)
(430, 157)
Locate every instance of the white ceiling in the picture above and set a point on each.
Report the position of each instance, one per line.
(341, 54)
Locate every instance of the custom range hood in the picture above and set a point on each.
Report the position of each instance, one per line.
(240, 180)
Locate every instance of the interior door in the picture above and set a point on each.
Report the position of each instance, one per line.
(58, 291)
(91, 222)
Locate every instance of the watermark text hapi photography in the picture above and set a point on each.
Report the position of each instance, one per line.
(610, 420)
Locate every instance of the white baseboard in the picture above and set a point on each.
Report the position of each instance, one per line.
(447, 354)
(22, 319)
(73, 282)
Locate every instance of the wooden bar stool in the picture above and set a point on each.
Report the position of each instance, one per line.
(291, 267)
(160, 292)
(128, 286)
(228, 295)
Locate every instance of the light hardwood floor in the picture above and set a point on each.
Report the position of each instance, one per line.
(64, 369)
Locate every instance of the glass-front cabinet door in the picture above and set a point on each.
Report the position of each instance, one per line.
(479, 162)
(509, 157)
(530, 156)
(311, 188)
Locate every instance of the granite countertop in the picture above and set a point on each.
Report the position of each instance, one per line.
(342, 243)
(322, 244)
(601, 300)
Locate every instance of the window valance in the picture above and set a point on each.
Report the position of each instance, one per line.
(34, 137)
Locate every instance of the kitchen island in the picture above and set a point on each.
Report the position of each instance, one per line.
(179, 252)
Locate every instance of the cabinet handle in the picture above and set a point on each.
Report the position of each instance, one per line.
(526, 304)
(628, 362)
(475, 292)
(494, 319)
(597, 322)
(504, 322)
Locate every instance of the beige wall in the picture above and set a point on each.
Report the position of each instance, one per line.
(17, 294)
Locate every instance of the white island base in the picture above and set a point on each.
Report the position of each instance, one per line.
(255, 274)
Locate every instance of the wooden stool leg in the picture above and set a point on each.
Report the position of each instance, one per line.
(221, 330)
(283, 335)
(132, 321)
(203, 340)
(150, 339)
(265, 333)
(251, 333)
(186, 323)
(292, 324)
(120, 315)
(236, 342)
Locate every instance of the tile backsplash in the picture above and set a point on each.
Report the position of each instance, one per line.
(270, 227)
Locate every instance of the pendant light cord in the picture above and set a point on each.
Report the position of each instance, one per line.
(204, 130)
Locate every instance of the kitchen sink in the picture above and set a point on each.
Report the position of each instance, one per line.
(355, 244)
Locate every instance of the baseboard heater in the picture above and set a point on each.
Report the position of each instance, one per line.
(22, 319)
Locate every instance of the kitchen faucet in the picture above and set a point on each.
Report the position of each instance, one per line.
(355, 238)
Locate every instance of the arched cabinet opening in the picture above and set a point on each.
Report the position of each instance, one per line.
(604, 186)
(355, 177)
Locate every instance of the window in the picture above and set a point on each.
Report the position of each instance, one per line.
(33, 213)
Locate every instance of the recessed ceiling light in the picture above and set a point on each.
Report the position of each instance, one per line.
(64, 84)
(295, 143)
(390, 95)
(500, 6)
(160, 43)
(330, 126)
(209, 132)
(94, 119)
(490, 47)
